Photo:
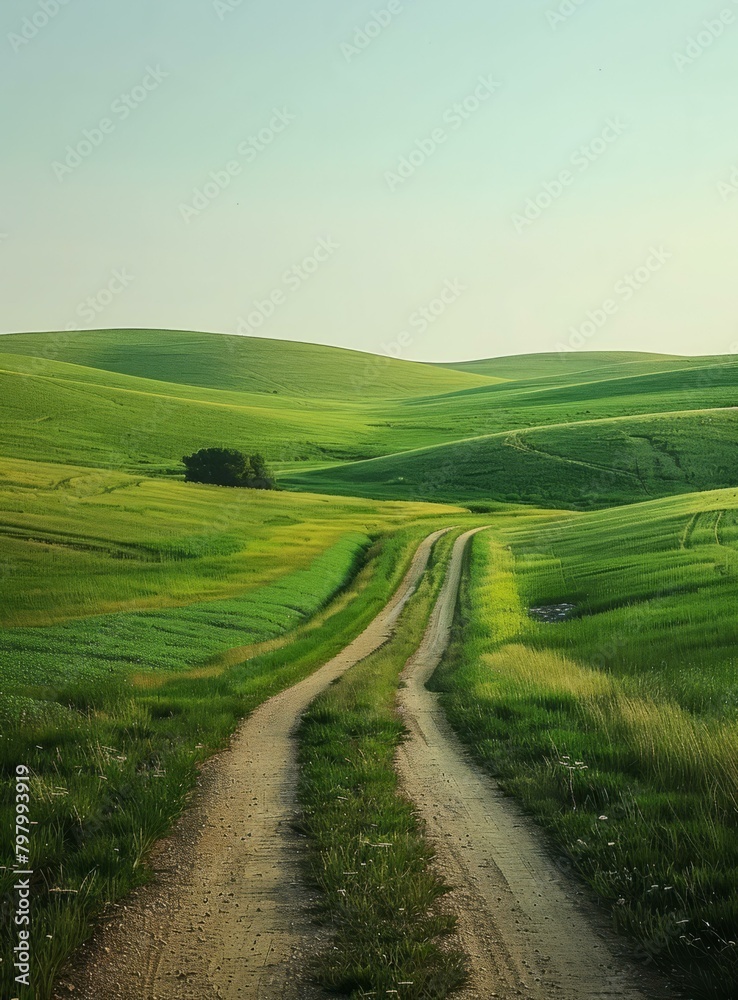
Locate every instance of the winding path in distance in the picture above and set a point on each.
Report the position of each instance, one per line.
(526, 928)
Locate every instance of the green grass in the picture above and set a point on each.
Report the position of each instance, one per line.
(618, 728)
(583, 465)
(306, 406)
(245, 364)
(113, 755)
(64, 413)
(563, 366)
(143, 617)
(78, 542)
(702, 384)
(379, 897)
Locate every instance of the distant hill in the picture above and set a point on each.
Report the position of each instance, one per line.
(573, 430)
(243, 364)
(562, 365)
(584, 465)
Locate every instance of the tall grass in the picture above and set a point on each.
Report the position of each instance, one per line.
(113, 760)
(78, 542)
(597, 723)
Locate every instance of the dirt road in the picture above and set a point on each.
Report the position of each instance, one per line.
(519, 919)
(227, 917)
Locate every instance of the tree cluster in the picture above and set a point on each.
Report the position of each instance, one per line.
(227, 467)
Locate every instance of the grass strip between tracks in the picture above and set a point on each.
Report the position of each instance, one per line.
(369, 858)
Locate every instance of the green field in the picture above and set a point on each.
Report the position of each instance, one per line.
(243, 364)
(142, 617)
(113, 713)
(618, 726)
(83, 400)
(78, 542)
(576, 366)
(583, 465)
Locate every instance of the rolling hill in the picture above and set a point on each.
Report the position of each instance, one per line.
(144, 617)
(616, 724)
(84, 542)
(138, 400)
(582, 465)
(242, 364)
(568, 366)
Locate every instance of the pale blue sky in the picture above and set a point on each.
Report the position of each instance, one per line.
(521, 285)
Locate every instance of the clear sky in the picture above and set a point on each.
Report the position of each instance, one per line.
(370, 190)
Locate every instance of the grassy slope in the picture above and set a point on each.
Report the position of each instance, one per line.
(565, 365)
(112, 762)
(61, 412)
(619, 727)
(80, 542)
(125, 594)
(148, 574)
(515, 405)
(580, 465)
(68, 413)
(195, 584)
(245, 364)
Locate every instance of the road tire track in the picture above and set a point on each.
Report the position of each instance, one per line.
(528, 929)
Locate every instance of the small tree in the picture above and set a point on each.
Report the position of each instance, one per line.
(260, 476)
(227, 467)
